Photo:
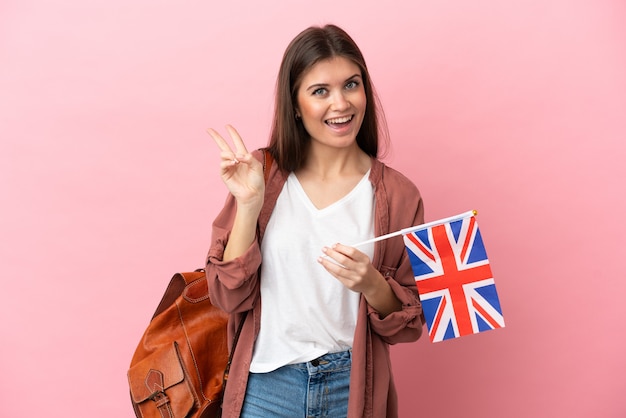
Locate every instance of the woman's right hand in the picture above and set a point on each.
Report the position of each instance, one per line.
(240, 171)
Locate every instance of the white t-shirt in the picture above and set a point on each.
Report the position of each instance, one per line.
(306, 312)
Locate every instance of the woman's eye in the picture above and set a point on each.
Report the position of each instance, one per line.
(319, 92)
(352, 85)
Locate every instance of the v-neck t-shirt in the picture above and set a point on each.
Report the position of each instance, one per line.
(307, 312)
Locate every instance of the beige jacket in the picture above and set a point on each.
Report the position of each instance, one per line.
(234, 287)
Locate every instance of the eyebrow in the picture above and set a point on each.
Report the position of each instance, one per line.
(319, 85)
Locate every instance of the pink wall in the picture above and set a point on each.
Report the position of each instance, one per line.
(109, 183)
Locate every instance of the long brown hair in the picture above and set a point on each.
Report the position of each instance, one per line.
(289, 140)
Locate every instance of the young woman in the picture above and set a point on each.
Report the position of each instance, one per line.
(321, 312)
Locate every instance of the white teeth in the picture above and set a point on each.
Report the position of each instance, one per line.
(340, 120)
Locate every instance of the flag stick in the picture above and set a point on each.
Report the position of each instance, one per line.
(418, 227)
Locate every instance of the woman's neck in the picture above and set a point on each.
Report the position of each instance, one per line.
(327, 163)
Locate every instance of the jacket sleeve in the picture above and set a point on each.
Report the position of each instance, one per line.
(404, 325)
(234, 284)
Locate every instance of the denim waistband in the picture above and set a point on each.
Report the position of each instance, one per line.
(330, 362)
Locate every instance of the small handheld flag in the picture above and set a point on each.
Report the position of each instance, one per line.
(453, 277)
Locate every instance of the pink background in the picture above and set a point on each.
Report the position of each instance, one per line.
(109, 183)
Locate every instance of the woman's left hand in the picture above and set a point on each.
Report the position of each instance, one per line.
(355, 271)
(351, 267)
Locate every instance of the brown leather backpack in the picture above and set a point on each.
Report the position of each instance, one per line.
(178, 367)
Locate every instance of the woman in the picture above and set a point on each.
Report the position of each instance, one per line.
(322, 312)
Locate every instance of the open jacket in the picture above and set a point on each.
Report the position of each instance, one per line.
(234, 287)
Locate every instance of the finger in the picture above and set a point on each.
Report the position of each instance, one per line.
(239, 144)
(229, 156)
(351, 252)
(335, 257)
(221, 142)
(227, 164)
(340, 250)
(331, 266)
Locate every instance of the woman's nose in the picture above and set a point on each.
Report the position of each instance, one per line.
(340, 102)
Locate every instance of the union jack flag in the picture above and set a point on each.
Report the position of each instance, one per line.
(453, 278)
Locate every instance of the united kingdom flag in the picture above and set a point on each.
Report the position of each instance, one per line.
(454, 279)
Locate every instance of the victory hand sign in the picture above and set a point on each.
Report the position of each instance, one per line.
(243, 176)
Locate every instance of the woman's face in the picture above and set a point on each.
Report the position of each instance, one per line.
(331, 102)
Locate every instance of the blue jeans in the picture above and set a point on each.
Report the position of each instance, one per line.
(318, 388)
